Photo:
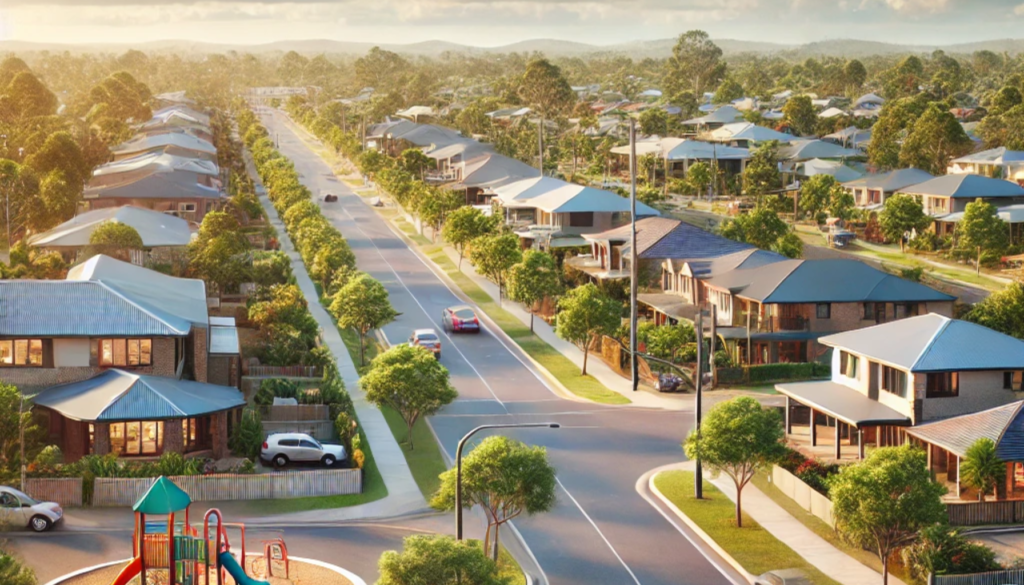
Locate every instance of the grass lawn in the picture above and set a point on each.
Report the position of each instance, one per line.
(560, 366)
(410, 230)
(425, 459)
(825, 531)
(752, 547)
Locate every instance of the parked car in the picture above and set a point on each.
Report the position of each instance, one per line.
(282, 448)
(328, 198)
(427, 338)
(460, 318)
(668, 382)
(783, 577)
(18, 509)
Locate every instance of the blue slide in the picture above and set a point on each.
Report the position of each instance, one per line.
(227, 560)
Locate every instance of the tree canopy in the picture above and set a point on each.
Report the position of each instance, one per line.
(364, 305)
(584, 313)
(438, 560)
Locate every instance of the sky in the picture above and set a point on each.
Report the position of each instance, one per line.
(499, 22)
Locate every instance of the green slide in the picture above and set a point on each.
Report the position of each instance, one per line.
(227, 560)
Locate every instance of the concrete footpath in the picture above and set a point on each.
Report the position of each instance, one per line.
(404, 495)
(783, 526)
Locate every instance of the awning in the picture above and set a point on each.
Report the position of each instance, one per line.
(741, 333)
(568, 242)
(673, 306)
(843, 403)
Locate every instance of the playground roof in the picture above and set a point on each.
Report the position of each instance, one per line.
(163, 497)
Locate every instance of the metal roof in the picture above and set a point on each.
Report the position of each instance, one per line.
(182, 109)
(823, 281)
(745, 258)
(893, 180)
(1009, 214)
(808, 149)
(156, 229)
(697, 150)
(573, 198)
(992, 156)
(527, 188)
(662, 237)
(933, 343)
(672, 305)
(1003, 425)
(966, 185)
(494, 170)
(749, 131)
(117, 395)
(723, 115)
(817, 166)
(178, 139)
(158, 161)
(843, 402)
(165, 185)
(466, 149)
(868, 98)
(425, 135)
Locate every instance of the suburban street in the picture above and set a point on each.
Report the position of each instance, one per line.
(603, 530)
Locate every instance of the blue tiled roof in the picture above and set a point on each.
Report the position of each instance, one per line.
(966, 186)
(690, 242)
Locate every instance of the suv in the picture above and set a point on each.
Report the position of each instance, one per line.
(280, 448)
(18, 509)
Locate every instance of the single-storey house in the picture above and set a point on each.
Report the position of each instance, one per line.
(995, 162)
(801, 150)
(745, 134)
(873, 189)
(180, 193)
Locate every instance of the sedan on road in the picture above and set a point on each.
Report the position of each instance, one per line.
(460, 318)
(428, 339)
(17, 509)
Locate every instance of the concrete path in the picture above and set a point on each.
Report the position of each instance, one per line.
(782, 525)
(404, 495)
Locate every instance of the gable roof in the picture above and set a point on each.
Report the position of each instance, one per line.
(158, 161)
(933, 343)
(156, 228)
(966, 186)
(696, 149)
(169, 185)
(179, 139)
(667, 238)
(117, 395)
(428, 135)
(996, 156)
(1003, 425)
(494, 170)
(743, 259)
(891, 181)
(573, 198)
(823, 281)
(525, 189)
(817, 166)
(808, 149)
(722, 115)
(749, 131)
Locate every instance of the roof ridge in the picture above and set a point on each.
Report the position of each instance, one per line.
(119, 372)
(1016, 413)
(160, 394)
(125, 297)
(931, 341)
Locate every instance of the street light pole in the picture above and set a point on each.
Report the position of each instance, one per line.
(458, 463)
(633, 268)
(698, 475)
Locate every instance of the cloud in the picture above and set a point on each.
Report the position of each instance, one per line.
(918, 6)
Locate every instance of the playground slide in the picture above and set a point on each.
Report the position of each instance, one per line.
(227, 560)
(129, 572)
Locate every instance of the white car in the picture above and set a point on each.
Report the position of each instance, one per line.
(282, 448)
(428, 339)
(18, 509)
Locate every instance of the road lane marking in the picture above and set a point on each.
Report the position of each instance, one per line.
(599, 533)
(425, 312)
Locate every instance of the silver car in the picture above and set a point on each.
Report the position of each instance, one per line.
(282, 448)
(17, 509)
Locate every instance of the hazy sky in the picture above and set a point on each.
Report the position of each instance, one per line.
(491, 23)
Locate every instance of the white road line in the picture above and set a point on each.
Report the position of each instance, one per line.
(422, 308)
(599, 533)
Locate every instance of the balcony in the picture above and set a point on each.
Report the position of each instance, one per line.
(791, 324)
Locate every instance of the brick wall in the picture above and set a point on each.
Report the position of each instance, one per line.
(219, 430)
(222, 370)
(75, 436)
(200, 356)
(174, 438)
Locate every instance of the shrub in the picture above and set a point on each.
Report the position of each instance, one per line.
(246, 467)
(913, 274)
(358, 459)
(281, 387)
(346, 427)
(944, 551)
(50, 456)
(12, 572)
(816, 474)
(247, 440)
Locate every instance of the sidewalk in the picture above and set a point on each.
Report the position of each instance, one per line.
(404, 495)
(783, 526)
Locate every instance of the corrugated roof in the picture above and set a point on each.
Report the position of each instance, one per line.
(1008, 213)
(893, 180)
(996, 156)
(750, 132)
(466, 149)
(117, 395)
(966, 185)
(178, 139)
(842, 402)
(648, 231)
(169, 185)
(494, 170)
(156, 229)
(527, 188)
(159, 161)
(1003, 425)
(574, 198)
(697, 150)
(424, 135)
(933, 343)
(747, 258)
(181, 109)
(808, 149)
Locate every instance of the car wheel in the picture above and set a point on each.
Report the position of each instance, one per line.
(280, 461)
(328, 460)
(40, 523)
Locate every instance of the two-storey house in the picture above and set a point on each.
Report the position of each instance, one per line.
(185, 194)
(871, 190)
(948, 195)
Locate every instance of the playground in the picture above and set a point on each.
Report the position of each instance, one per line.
(169, 548)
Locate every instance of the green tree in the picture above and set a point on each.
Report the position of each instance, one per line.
(728, 91)
(584, 314)
(738, 437)
(114, 239)
(695, 65)
(762, 172)
(546, 90)
(415, 162)
(58, 197)
(885, 501)
(816, 193)
(410, 381)
(936, 138)
(464, 225)
(762, 227)
(942, 550)
(699, 176)
(665, 341)
(438, 560)
(533, 280)
(854, 75)
(363, 304)
(654, 121)
(329, 261)
(506, 478)
(799, 112)
(435, 205)
(60, 152)
(901, 215)
(841, 203)
(1003, 310)
(247, 437)
(981, 231)
(981, 468)
(218, 253)
(29, 98)
(894, 123)
(495, 255)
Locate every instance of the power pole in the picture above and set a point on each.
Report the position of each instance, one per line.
(633, 260)
(698, 475)
(540, 145)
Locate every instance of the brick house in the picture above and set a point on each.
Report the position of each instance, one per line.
(183, 193)
(873, 189)
(947, 196)
(109, 315)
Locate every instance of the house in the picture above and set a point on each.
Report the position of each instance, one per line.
(831, 112)
(448, 157)
(868, 106)
(176, 126)
(801, 150)
(181, 193)
(851, 137)
(727, 158)
(716, 119)
(745, 134)
(181, 111)
(161, 233)
(775, 312)
(907, 373)
(117, 343)
(176, 143)
(375, 134)
(480, 175)
(999, 162)
(130, 169)
(872, 190)
(949, 194)
(1013, 215)
(816, 166)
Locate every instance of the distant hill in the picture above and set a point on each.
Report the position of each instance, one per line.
(557, 48)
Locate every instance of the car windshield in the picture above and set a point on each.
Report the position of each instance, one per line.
(465, 313)
(25, 499)
(426, 337)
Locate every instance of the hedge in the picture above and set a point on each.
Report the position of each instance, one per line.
(766, 373)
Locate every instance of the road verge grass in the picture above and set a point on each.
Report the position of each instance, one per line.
(754, 548)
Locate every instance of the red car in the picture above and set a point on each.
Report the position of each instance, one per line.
(459, 319)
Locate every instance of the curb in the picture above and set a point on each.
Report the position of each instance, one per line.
(698, 531)
(81, 572)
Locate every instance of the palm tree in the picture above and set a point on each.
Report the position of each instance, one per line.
(982, 468)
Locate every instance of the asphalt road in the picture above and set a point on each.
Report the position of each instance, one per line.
(602, 530)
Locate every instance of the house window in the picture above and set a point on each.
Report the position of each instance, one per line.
(848, 364)
(137, 438)
(823, 310)
(894, 381)
(187, 207)
(581, 219)
(126, 352)
(942, 385)
(869, 311)
(196, 433)
(21, 352)
(1012, 380)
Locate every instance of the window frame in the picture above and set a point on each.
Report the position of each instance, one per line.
(13, 351)
(127, 451)
(126, 351)
(950, 387)
(901, 379)
(576, 219)
(845, 359)
(828, 310)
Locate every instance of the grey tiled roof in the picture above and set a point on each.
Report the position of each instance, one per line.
(966, 186)
(117, 395)
(664, 238)
(1004, 425)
